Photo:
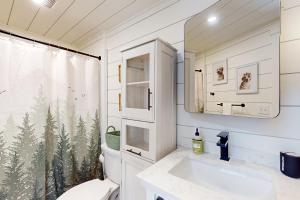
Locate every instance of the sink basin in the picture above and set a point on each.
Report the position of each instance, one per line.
(236, 181)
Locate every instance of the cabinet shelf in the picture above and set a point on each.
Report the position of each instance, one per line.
(137, 68)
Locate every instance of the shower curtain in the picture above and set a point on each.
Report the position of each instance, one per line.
(49, 120)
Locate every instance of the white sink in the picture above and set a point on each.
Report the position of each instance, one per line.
(236, 181)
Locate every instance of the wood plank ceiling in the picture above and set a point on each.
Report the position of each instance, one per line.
(74, 22)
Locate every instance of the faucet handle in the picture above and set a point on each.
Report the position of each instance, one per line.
(223, 136)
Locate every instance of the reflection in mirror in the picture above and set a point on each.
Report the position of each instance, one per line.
(194, 84)
(232, 59)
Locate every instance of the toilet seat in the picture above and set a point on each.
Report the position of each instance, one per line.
(90, 190)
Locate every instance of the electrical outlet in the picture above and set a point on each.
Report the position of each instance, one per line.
(264, 109)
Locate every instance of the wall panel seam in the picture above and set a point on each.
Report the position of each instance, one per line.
(237, 132)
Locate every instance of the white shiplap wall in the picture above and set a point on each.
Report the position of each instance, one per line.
(254, 140)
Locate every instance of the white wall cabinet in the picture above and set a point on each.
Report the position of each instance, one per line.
(148, 110)
(149, 100)
(138, 83)
(131, 187)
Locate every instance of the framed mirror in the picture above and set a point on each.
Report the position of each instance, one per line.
(232, 59)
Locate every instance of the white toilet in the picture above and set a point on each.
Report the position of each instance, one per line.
(96, 189)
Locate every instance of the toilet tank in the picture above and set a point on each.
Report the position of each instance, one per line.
(112, 163)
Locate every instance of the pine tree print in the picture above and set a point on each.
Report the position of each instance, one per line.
(96, 170)
(50, 145)
(38, 161)
(58, 118)
(3, 195)
(50, 137)
(15, 179)
(95, 132)
(38, 168)
(3, 156)
(81, 141)
(92, 153)
(50, 192)
(72, 121)
(64, 152)
(74, 169)
(88, 120)
(37, 191)
(39, 111)
(10, 128)
(28, 184)
(58, 175)
(25, 143)
(62, 162)
(84, 171)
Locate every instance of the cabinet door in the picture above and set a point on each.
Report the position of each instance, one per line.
(138, 138)
(131, 187)
(138, 83)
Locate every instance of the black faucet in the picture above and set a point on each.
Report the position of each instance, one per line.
(223, 144)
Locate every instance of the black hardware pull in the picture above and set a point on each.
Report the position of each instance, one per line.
(131, 151)
(198, 70)
(212, 93)
(241, 105)
(220, 104)
(149, 93)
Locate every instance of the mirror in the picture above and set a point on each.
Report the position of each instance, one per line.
(232, 59)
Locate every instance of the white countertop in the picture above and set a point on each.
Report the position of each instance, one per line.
(157, 178)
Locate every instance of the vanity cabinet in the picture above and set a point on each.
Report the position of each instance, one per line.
(131, 187)
(148, 111)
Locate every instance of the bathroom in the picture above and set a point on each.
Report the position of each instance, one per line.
(118, 100)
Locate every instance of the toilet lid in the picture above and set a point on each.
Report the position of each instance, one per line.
(90, 190)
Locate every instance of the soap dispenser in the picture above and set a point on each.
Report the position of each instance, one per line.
(198, 147)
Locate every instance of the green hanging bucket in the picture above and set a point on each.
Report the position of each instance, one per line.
(112, 138)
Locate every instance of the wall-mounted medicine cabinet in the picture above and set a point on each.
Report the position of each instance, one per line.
(232, 59)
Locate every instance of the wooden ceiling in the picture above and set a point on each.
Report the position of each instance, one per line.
(235, 18)
(74, 22)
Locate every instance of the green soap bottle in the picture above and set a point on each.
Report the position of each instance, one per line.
(198, 147)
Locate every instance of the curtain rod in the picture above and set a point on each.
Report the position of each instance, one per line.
(49, 44)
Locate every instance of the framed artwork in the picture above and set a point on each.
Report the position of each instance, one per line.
(220, 72)
(247, 79)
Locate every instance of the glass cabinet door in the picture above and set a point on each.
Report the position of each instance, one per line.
(138, 83)
(138, 138)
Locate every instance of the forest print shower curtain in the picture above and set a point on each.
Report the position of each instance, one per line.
(49, 120)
